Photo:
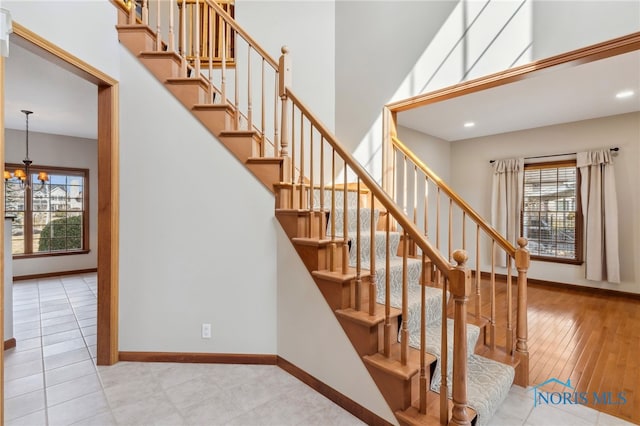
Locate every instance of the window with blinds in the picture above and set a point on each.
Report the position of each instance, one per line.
(551, 216)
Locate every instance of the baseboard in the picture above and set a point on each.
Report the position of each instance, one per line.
(339, 399)
(566, 286)
(194, 357)
(54, 274)
(10, 343)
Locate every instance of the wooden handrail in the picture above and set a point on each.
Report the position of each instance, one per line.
(250, 41)
(502, 242)
(407, 225)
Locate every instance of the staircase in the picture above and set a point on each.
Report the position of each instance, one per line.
(402, 304)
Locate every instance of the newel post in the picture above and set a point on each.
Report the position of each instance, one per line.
(522, 350)
(284, 72)
(460, 286)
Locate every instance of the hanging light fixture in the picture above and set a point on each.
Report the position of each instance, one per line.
(23, 175)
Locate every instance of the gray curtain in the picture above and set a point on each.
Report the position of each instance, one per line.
(600, 211)
(506, 199)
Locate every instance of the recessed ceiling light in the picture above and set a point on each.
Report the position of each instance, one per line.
(469, 124)
(624, 94)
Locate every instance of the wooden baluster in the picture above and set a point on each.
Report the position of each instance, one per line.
(236, 87)
(321, 216)
(263, 103)
(464, 231)
(293, 153)
(210, 31)
(415, 194)
(404, 184)
(345, 224)
(424, 379)
(145, 12)
(249, 85)
(196, 38)
(132, 12)
(311, 190)
(171, 36)
(404, 349)
(332, 213)
(372, 262)
(276, 122)
(284, 70)
(394, 196)
(301, 198)
(358, 251)
(460, 281)
(387, 289)
(509, 303)
(183, 39)
(492, 329)
(444, 353)
(158, 35)
(223, 61)
(438, 218)
(478, 275)
(522, 351)
(426, 207)
(450, 239)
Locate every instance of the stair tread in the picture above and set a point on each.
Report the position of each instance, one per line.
(338, 276)
(242, 133)
(159, 54)
(392, 366)
(498, 355)
(363, 317)
(319, 242)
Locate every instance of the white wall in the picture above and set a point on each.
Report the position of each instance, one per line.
(85, 29)
(307, 28)
(471, 178)
(62, 151)
(310, 336)
(192, 250)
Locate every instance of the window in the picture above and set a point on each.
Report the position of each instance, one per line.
(551, 215)
(49, 218)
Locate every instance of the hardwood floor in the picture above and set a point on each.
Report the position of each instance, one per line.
(591, 339)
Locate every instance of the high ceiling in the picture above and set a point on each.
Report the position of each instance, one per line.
(553, 96)
(65, 104)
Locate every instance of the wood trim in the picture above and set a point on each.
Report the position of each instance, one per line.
(196, 357)
(553, 284)
(54, 274)
(108, 176)
(587, 54)
(108, 224)
(336, 397)
(10, 343)
(2, 283)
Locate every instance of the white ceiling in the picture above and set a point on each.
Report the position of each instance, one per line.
(65, 104)
(554, 96)
(62, 103)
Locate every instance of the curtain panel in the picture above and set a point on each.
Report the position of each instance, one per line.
(506, 199)
(600, 210)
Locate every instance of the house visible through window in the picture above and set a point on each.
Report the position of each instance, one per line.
(551, 216)
(49, 217)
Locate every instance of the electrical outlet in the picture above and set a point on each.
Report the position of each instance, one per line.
(206, 331)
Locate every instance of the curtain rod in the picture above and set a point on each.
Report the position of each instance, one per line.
(616, 149)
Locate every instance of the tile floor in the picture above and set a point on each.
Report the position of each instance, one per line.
(51, 379)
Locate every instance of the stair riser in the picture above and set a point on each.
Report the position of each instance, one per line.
(267, 173)
(365, 339)
(216, 118)
(400, 399)
(137, 38)
(337, 294)
(163, 68)
(289, 197)
(188, 93)
(243, 147)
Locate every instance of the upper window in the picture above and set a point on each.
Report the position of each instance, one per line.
(551, 215)
(50, 217)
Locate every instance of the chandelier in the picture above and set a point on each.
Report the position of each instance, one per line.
(23, 175)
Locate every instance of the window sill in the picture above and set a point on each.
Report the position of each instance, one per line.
(53, 254)
(557, 260)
